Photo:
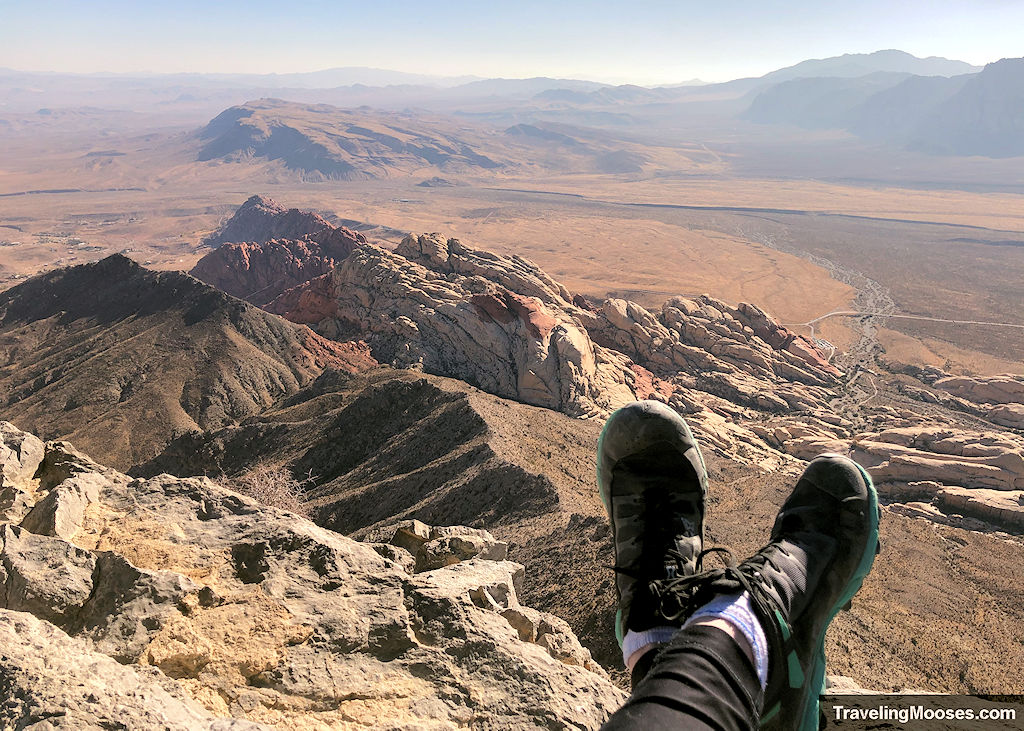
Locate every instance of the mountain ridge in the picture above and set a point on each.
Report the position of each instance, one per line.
(114, 346)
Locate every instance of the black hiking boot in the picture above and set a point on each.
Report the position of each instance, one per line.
(822, 546)
(653, 482)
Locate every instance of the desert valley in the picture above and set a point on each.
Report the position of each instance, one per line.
(416, 302)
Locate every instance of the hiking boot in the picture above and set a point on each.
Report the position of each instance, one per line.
(652, 481)
(823, 544)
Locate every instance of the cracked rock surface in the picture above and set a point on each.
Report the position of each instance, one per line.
(175, 603)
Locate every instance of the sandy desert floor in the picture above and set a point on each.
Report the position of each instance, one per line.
(800, 249)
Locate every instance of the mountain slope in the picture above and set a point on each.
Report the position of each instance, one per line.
(389, 445)
(970, 114)
(984, 117)
(326, 142)
(119, 358)
(819, 103)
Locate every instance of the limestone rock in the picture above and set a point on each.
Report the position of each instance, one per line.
(62, 511)
(49, 680)
(20, 456)
(51, 579)
(436, 547)
(254, 613)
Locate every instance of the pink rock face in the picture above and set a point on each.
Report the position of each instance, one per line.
(307, 303)
(804, 349)
(513, 306)
(266, 250)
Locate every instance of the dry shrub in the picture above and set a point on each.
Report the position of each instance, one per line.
(272, 485)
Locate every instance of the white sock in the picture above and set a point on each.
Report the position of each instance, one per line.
(736, 610)
(635, 641)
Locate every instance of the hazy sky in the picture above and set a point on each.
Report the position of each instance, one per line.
(640, 41)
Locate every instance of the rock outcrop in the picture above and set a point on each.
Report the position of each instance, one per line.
(259, 272)
(496, 322)
(214, 605)
(505, 326)
(737, 353)
(47, 676)
(1003, 389)
(979, 474)
(265, 249)
(262, 219)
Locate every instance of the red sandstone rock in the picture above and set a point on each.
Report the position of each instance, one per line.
(307, 303)
(269, 249)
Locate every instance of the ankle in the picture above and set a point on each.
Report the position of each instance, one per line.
(730, 629)
(741, 624)
(637, 644)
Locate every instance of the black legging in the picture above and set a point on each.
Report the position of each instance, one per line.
(701, 680)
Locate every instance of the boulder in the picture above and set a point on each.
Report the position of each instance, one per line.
(1011, 415)
(995, 506)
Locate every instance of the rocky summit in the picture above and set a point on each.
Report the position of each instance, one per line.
(177, 604)
(437, 423)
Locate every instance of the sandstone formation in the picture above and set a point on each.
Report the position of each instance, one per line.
(739, 354)
(496, 322)
(1001, 507)
(121, 359)
(503, 325)
(1011, 415)
(264, 250)
(214, 605)
(979, 474)
(309, 303)
(1004, 389)
(261, 219)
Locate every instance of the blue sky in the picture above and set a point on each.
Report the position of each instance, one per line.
(643, 41)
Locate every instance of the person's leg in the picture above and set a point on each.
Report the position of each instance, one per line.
(704, 678)
(823, 545)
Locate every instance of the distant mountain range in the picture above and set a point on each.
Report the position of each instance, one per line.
(969, 114)
(850, 65)
(931, 105)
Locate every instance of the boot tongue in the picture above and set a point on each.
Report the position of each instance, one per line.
(791, 585)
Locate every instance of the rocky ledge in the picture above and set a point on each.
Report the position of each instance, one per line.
(177, 604)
